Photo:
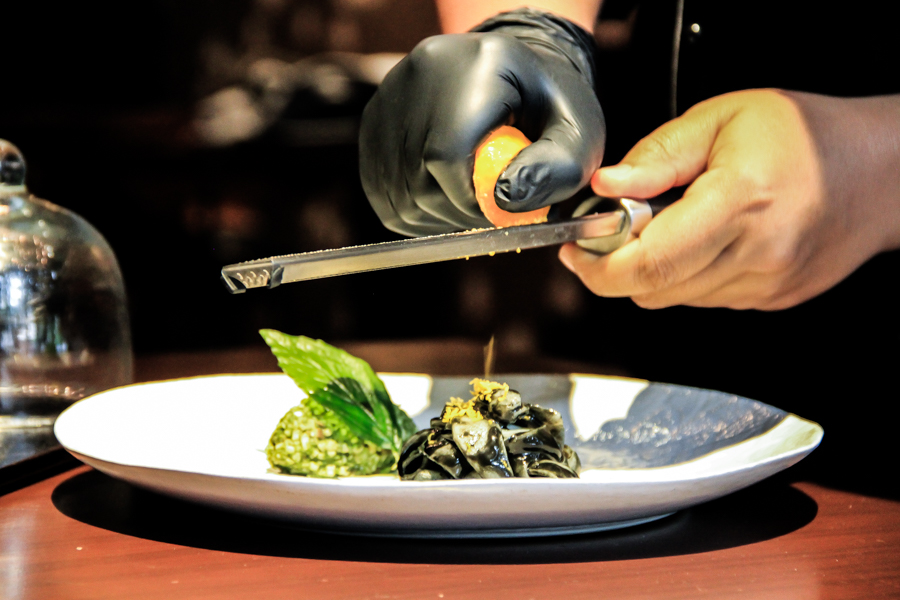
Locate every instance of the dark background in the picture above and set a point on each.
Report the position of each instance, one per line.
(107, 100)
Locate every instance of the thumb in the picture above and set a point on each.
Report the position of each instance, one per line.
(541, 174)
(562, 161)
(673, 155)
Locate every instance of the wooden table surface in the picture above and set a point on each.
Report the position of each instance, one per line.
(83, 535)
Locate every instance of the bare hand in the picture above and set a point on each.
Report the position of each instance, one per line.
(789, 193)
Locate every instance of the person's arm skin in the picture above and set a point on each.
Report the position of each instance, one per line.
(459, 16)
(789, 193)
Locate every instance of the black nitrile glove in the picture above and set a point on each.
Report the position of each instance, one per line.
(421, 128)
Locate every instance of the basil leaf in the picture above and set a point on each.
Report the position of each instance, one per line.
(360, 421)
(344, 384)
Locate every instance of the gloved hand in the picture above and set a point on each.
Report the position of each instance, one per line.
(421, 128)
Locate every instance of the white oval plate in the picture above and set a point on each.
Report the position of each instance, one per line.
(647, 450)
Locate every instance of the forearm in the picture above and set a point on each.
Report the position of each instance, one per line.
(879, 154)
(860, 142)
(458, 16)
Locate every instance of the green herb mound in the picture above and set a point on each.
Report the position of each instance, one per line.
(347, 425)
(312, 441)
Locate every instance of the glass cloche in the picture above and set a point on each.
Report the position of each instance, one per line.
(64, 329)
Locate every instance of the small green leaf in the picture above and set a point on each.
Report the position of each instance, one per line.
(358, 420)
(344, 384)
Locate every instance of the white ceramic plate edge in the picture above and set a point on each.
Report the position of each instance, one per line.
(384, 505)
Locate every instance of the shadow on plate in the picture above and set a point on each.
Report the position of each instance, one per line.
(764, 511)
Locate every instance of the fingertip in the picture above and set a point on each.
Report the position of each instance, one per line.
(576, 259)
(615, 180)
(634, 181)
(590, 268)
(525, 187)
(596, 184)
(565, 255)
(620, 173)
(541, 174)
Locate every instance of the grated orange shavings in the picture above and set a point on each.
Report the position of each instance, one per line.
(458, 409)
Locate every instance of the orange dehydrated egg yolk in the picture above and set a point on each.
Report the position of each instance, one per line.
(491, 158)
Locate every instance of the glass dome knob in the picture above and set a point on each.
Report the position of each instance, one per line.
(12, 165)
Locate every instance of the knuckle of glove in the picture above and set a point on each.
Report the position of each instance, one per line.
(435, 48)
